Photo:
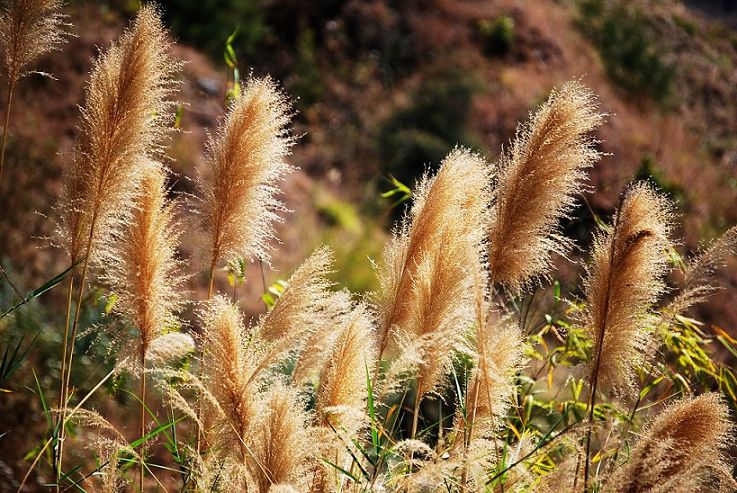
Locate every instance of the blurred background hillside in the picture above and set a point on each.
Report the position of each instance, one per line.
(385, 88)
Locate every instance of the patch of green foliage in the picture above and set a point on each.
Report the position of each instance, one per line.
(308, 83)
(497, 35)
(627, 43)
(649, 170)
(207, 23)
(434, 122)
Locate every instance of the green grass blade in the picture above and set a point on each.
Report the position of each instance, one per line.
(47, 286)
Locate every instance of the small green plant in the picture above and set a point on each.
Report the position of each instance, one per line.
(629, 47)
(433, 123)
(497, 35)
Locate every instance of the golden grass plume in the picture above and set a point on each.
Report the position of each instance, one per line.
(499, 356)
(123, 122)
(142, 267)
(448, 207)
(230, 366)
(281, 441)
(537, 182)
(28, 30)
(698, 282)
(681, 450)
(246, 161)
(342, 390)
(624, 278)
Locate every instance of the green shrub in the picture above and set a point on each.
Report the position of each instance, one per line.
(308, 84)
(497, 35)
(625, 39)
(433, 123)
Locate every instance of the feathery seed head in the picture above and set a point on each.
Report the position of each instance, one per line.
(500, 354)
(624, 278)
(680, 450)
(342, 390)
(246, 161)
(123, 122)
(29, 29)
(448, 213)
(229, 365)
(303, 303)
(281, 443)
(699, 281)
(141, 261)
(537, 184)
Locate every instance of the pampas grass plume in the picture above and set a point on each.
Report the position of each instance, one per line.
(680, 450)
(624, 278)
(455, 198)
(246, 161)
(142, 265)
(537, 182)
(28, 30)
(123, 124)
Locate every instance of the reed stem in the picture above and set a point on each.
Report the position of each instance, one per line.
(55, 454)
(211, 284)
(600, 343)
(75, 324)
(143, 414)
(8, 103)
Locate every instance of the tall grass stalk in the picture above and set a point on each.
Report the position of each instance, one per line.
(28, 29)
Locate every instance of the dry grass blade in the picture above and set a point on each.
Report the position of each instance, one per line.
(537, 184)
(246, 161)
(681, 450)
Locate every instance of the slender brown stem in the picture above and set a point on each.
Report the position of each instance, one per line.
(143, 414)
(211, 283)
(8, 103)
(597, 362)
(415, 419)
(62, 387)
(75, 324)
